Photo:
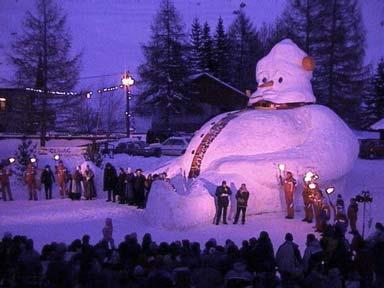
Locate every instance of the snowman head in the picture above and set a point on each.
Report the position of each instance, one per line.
(284, 76)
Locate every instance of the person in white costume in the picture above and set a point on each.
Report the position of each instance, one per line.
(281, 125)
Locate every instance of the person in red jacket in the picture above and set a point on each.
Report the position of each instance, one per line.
(5, 186)
(30, 180)
(289, 186)
(242, 197)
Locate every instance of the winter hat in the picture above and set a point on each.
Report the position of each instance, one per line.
(284, 75)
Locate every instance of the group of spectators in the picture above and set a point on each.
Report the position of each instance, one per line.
(130, 187)
(72, 185)
(331, 262)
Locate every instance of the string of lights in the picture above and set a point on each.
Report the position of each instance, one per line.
(88, 94)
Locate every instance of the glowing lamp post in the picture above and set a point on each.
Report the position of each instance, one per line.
(56, 157)
(128, 81)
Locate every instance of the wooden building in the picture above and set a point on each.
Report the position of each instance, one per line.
(16, 111)
(211, 97)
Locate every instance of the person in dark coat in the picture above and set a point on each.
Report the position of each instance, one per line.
(242, 197)
(352, 214)
(77, 184)
(5, 186)
(139, 188)
(47, 179)
(110, 181)
(222, 193)
(289, 261)
(129, 191)
(121, 186)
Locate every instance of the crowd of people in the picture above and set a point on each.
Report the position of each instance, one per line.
(331, 261)
(126, 186)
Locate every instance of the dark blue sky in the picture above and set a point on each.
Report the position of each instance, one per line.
(109, 32)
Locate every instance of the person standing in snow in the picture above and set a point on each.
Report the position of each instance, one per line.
(308, 203)
(222, 193)
(110, 181)
(121, 186)
(5, 173)
(139, 188)
(77, 184)
(242, 197)
(129, 191)
(61, 174)
(30, 180)
(89, 184)
(47, 179)
(289, 186)
(353, 208)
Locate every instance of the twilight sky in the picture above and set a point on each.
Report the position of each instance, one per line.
(109, 32)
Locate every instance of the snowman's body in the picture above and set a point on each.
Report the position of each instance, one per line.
(246, 147)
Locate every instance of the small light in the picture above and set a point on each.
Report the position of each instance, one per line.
(312, 186)
(330, 190)
(33, 160)
(11, 160)
(126, 113)
(56, 157)
(281, 167)
(89, 95)
(309, 174)
(315, 177)
(129, 98)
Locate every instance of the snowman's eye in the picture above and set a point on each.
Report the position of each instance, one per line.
(280, 79)
(264, 80)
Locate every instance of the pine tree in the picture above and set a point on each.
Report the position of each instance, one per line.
(164, 75)
(332, 32)
(195, 54)
(206, 49)
(379, 89)
(42, 58)
(25, 151)
(221, 53)
(373, 98)
(245, 52)
(347, 74)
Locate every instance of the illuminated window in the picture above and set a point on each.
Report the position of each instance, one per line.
(3, 102)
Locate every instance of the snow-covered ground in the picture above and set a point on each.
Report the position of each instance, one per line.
(64, 220)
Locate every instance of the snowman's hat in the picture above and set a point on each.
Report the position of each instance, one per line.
(288, 53)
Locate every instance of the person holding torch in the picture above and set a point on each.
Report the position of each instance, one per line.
(289, 186)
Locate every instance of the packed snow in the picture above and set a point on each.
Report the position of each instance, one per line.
(247, 146)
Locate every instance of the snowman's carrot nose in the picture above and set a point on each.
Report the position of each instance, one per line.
(266, 84)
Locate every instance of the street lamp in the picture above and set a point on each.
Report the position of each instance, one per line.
(128, 81)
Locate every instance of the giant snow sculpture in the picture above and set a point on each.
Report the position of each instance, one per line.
(281, 125)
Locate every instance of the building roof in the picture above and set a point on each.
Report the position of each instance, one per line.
(196, 76)
(379, 125)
